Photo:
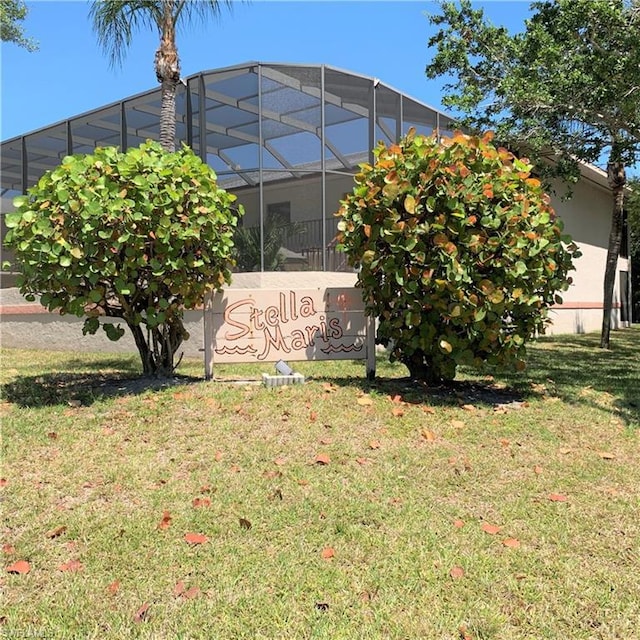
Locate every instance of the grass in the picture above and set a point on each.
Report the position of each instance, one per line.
(103, 471)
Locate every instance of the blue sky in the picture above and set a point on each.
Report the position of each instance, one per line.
(69, 74)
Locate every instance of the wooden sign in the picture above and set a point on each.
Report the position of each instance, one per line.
(267, 325)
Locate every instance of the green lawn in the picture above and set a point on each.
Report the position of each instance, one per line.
(504, 507)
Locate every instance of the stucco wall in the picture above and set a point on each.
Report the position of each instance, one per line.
(587, 218)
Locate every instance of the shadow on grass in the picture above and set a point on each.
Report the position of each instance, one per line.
(79, 383)
(572, 367)
(455, 393)
(567, 367)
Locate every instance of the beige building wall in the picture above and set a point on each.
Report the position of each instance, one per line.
(587, 218)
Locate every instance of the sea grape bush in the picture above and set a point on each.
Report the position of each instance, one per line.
(140, 235)
(459, 254)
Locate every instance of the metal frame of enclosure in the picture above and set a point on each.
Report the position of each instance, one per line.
(284, 138)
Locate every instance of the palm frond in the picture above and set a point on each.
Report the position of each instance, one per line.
(199, 10)
(115, 21)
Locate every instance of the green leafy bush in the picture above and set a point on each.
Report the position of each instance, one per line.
(140, 235)
(459, 252)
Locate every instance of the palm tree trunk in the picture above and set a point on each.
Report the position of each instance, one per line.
(167, 66)
(617, 181)
(168, 116)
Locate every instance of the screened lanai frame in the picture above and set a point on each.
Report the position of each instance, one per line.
(275, 134)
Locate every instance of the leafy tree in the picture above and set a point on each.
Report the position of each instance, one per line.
(459, 252)
(12, 13)
(140, 236)
(633, 211)
(115, 21)
(567, 88)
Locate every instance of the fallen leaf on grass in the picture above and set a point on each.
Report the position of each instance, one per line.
(557, 497)
(458, 524)
(113, 587)
(201, 502)
(468, 407)
(363, 461)
(190, 593)
(374, 444)
(52, 435)
(279, 462)
(329, 388)
(326, 441)
(605, 455)
(3, 482)
(456, 572)
(429, 410)
(142, 613)
(457, 424)
(397, 399)
(328, 553)
(166, 520)
(512, 543)
(180, 591)
(234, 468)
(322, 606)
(364, 401)
(21, 566)
(491, 529)
(71, 566)
(218, 456)
(537, 469)
(244, 523)
(428, 435)
(313, 416)
(8, 549)
(464, 633)
(195, 538)
(54, 533)
(323, 458)
(398, 412)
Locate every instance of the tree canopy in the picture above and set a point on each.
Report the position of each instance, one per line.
(459, 253)
(12, 13)
(139, 236)
(565, 89)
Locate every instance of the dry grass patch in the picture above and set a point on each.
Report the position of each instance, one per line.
(507, 507)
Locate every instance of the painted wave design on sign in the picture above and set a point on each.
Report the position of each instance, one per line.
(342, 348)
(236, 350)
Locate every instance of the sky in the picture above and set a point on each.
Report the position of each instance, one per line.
(69, 74)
